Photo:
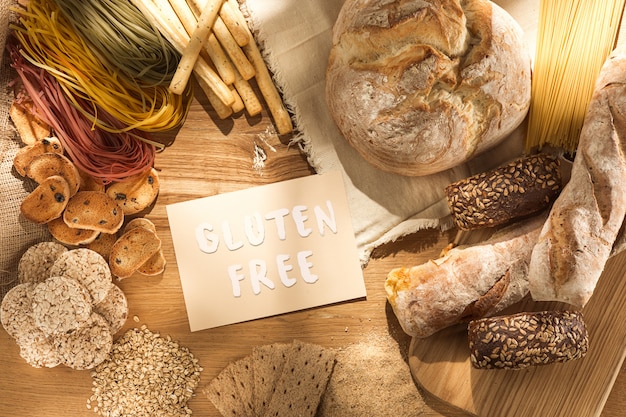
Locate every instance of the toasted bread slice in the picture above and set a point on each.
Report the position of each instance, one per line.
(89, 183)
(47, 164)
(25, 155)
(103, 244)
(131, 250)
(140, 222)
(29, 127)
(93, 210)
(48, 201)
(153, 266)
(70, 235)
(136, 193)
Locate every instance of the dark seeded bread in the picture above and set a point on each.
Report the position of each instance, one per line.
(527, 339)
(523, 187)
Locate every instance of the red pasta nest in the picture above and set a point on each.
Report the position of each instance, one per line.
(107, 156)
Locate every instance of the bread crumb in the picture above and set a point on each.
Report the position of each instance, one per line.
(365, 370)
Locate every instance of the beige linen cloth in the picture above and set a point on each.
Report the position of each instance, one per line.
(296, 36)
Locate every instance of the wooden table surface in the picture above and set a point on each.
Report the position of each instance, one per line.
(208, 157)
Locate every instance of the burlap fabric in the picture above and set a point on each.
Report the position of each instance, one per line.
(16, 233)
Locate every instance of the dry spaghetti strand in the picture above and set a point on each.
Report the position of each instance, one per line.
(50, 42)
(574, 39)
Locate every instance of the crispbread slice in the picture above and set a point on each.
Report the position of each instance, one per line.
(223, 393)
(267, 364)
(88, 268)
(114, 308)
(302, 382)
(243, 376)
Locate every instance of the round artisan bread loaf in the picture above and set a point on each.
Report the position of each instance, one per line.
(417, 87)
(525, 339)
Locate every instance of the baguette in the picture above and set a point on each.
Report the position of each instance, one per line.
(584, 223)
(468, 282)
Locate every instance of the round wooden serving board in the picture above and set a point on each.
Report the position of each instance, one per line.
(440, 364)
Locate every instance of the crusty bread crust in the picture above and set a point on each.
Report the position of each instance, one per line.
(585, 220)
(466, 283)
(419, 87)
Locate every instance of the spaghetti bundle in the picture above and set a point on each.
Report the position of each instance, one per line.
(50, 42)
(573, 41)
(104, 155)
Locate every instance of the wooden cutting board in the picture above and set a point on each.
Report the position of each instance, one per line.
(440, 364)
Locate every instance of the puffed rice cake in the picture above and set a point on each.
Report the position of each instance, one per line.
(60, 305)
(87, 267)
(38, 351)
(87, 346)
(114, 308)
(34, 265)
(16, 311)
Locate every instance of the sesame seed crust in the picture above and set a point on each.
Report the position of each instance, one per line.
(527, 339)
(520, 188)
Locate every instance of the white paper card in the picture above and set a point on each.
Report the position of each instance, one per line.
(266, 250)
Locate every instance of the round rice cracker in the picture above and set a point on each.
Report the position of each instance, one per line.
(114, 308)
(86, 347)
(60, 305)
(87, 267)
(35, 264)
(39, 351)
(16, 312)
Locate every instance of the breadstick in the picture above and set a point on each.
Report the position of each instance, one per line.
(192, 50)
(234, 24)
(238, 105)
(220, 59)
(220, 108)
(161, 14)
(239, 59)
(264, 80)
(250, 100)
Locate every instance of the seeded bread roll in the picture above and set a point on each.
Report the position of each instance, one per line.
(417, 87)
(518, 189)
(527, 339)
